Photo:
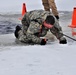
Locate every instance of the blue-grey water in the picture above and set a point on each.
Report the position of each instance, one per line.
(8, 22)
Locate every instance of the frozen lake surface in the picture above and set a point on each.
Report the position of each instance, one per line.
(20, 59)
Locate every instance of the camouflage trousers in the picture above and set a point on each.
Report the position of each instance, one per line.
(26, 38)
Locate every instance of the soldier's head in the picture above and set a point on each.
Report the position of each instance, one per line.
(49, 21)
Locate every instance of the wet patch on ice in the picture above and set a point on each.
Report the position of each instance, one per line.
(7, 27)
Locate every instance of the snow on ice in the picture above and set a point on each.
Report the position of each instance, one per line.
(51, 59)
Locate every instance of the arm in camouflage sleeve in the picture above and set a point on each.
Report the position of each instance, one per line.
(25, 20)
(34, 28)
(57, 30)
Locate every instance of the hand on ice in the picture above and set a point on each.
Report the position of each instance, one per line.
(63, 40)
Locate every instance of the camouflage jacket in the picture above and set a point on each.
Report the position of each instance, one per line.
(33, 29)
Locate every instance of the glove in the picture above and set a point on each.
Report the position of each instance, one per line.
(57, 17)
(63, 40)
(43, 42)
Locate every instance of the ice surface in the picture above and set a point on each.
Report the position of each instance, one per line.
(52, 59)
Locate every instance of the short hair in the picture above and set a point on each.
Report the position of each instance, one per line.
(50, 19)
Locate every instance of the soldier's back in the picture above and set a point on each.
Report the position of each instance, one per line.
(37, 14)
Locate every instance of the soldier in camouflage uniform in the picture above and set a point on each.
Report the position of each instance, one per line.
(35, 24)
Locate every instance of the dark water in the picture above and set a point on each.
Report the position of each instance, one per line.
(8, 22)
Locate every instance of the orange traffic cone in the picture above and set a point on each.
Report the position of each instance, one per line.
(24, 9)
(73, 24)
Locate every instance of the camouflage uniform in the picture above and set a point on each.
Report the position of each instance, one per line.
(32, 28)
(50, 4)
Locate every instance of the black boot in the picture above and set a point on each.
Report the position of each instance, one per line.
(18, 28)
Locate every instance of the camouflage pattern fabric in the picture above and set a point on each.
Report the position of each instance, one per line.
(33, 29)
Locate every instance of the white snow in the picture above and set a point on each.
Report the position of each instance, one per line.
(52, 59)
